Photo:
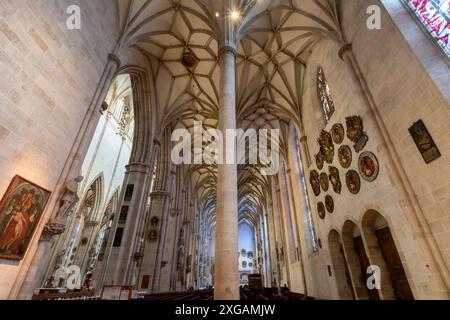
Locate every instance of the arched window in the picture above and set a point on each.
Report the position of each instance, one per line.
(324, 93)
(310, 228)
(244, 265)
(434, 16)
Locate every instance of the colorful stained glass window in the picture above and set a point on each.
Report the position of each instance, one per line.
(435, 17)
(309, 225)
(326, 100)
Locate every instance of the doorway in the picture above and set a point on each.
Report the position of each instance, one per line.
(384, 253)
(340, 267)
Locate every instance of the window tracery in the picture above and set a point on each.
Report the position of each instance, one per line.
(325, 97)
(434, 16)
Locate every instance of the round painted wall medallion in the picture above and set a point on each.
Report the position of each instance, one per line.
(345, 156)
(324, 182)
(353, 182)
(329, 204)
(320, 159)
(368, 166)
(321, 210)
(338, 133)
(315, 184)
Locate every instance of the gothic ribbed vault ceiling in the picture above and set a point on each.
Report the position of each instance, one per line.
(275, 39)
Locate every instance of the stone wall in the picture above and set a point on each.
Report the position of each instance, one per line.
(51, 73)
(404, 93)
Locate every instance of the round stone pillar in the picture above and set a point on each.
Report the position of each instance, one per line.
(226, 258)
(126, 237)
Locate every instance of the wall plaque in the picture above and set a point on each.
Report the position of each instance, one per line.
(424, 142)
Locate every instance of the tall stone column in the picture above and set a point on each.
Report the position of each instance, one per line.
(273, 246)
(161, 264)
(226, 266)
(158, 207)
(125, 240)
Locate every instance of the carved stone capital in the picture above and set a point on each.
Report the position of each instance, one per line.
(138, 167)
(104, 107)
(174, 212)
(52, 229)
(345, 48)
(159, 194)
(114, 58)
(227, 50)
(91, 224)
(138, 256)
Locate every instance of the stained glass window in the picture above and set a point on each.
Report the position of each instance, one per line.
(435, 17)
(310, 229)
(326, 100)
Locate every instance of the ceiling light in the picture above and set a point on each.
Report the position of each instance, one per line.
(235, 15)
(217, 14)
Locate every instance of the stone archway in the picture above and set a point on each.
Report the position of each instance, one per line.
(340, 267)
(358, 260)
(384, 254)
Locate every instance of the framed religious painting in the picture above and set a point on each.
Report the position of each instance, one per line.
(424, 142)
(21, 209)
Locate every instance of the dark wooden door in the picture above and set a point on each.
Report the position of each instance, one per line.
(364, 262)
(347, 273)
(394, 264)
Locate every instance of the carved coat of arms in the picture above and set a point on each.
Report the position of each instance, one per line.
(326, 146)
(335, 179)
(355, 132)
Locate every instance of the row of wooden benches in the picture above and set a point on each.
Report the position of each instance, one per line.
(247, 294)
(205, 295)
